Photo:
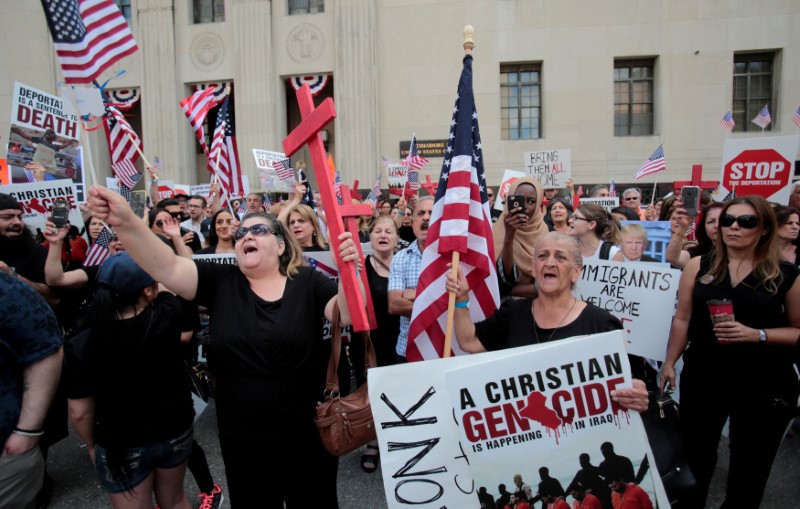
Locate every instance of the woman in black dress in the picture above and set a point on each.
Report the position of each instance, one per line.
(739, 368)
(265, 349)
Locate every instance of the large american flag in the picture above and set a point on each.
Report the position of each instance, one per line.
(654, 163)
(283, 169)
(763, 119)
(414, 160)
(727, 122)
(461, 222)
(196, 108)
(224, 145)
(89, 36)
(99, 250)
(122, 143)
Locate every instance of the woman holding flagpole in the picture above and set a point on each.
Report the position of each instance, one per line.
(265, 348)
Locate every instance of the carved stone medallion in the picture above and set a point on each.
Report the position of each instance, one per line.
(207, 51)
(305, 43)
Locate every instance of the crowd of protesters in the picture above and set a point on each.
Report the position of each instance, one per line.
(138, 311)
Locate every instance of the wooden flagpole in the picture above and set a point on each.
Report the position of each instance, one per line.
(469, 44)
(87, 149)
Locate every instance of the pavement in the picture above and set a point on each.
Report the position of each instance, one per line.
(77, 488)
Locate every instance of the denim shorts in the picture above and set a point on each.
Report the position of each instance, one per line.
(140, 462)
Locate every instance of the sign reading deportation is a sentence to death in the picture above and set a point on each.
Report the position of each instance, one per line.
(41, 132)
(425, 148)
(640, 294)
(546, 406)
(760, 166)
(552, 168)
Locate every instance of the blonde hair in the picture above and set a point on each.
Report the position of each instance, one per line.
(606, 226)
(634, 230)
(308, 214)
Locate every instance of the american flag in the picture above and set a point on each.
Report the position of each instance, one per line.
(283, 169)
(122, 143)
(461, 221)
(386, 160)
(196, 108)
(612, 189)
(337, 187)
(415, 160)
(763, 119)
(727, 122)
(654, 163)
(29, 175)
(308, 199)
(125, 191)
(89, 36)
(266, 202)
(99, 250)
(730, 196)
(796, 117)
(242, 211)
(224, 145)
(413, 179)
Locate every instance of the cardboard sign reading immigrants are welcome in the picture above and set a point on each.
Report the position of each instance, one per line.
(640, 294)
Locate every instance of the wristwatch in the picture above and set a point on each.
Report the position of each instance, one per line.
(762, 336)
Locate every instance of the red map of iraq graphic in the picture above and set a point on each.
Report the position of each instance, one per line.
(537, 410)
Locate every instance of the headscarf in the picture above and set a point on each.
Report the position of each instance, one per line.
(526, 236)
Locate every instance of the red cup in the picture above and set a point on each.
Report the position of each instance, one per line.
(721, 310)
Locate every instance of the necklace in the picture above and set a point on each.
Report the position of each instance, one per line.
(536, 327)
(379, 262)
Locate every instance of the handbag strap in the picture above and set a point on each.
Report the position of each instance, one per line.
(332, 380)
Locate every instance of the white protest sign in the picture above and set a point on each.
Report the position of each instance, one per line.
(222, 259)
(88, 100)
(421, 456)
(398, 176)
(640, 294)
(544, 407)
(37, 198)
(41, 131)
(509, 177)
(760, 166)
(266, 173)
(552, 168)
(203, 190)
(607, 203)
(112, 183)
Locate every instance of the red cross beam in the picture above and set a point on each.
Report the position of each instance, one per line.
(430, 186)
(697, 180)
(314, 120)
(351, 213)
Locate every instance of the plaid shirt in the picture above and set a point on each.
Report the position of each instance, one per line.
(406, 266)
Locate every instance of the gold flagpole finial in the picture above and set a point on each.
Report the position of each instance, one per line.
(469, 43)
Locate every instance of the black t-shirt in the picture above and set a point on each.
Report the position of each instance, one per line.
(28, 263)
(269, 357)
(384, 337)
(136, 375)
(512, 325)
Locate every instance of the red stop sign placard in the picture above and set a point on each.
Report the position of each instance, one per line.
(165, 192)
(762, 172)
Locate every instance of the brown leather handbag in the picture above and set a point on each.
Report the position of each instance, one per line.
(345, 422)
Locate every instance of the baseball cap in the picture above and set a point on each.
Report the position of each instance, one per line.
(122, 275)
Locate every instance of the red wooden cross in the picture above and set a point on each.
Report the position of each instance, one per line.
(354, 192)
(697, 180)
(351, 214)
(314, 120)
(430, 186)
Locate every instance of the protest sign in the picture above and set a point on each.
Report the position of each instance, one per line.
(421, 456)
(607, 203)
(398, 176)
(658, 236)
(222, 259)
(42, 132)
(182, 189)
(509, 177)
(203, 190)
(640, 294)
(36, 199)
(112, 183)
(552, 168)
(166, 189)
(5, 175)
(760, 166)
(544, 407)
(268, 177)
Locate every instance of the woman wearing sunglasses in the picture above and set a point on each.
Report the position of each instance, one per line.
(265, 349)
(167, 227)
(739, 367)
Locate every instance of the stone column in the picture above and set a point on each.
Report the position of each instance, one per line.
(255, 87)
(161, 116)
(356, 88)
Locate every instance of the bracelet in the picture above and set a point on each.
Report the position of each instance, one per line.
(463, 304)
(28, 432)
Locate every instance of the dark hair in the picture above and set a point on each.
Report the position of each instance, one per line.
(628, 212)
(704, 242)
(562, 201)
(595, 189)
(607, 227)
(213, 238)
(783, 213)
(198, 197)
(168, 202)
(151, 216)
(668, 207)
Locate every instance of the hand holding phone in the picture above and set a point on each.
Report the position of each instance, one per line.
(690, 196)
(60, 213)
(516, 201)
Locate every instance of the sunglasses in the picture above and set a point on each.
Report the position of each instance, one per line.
(175, 215)
(631, 198)
(258, 230)
(160, 223)
(747, 221)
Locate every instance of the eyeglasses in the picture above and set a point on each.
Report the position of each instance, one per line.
(746, 221)
(114, 238)
(579, 218)
(631, 198)
(258, 230)
(194, 206)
